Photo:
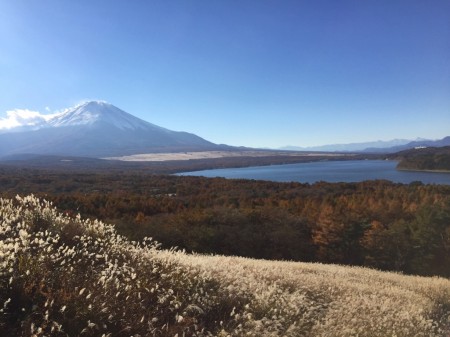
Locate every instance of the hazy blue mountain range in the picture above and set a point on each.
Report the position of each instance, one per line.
(411, 145)
(97, 129)
(374, 147)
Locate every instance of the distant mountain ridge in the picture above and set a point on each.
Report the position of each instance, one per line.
(411, 145)
(97, 129)
(379, 146)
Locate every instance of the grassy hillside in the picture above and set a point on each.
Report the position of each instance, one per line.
(65, 276)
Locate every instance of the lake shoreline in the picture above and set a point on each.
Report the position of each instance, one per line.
(333, 171)
(419, 170)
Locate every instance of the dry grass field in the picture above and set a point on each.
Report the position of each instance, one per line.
(67, 276)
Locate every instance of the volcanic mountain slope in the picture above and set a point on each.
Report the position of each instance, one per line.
(98, 129)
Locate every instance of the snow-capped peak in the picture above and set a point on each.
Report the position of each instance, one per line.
(91, 129)
(92, 112)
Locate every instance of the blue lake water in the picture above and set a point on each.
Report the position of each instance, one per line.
(330, 171)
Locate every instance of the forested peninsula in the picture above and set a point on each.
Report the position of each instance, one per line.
(425, 159)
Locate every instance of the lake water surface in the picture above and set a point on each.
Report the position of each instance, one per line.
(330, 171)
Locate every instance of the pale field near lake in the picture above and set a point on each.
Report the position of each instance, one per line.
(215, 154)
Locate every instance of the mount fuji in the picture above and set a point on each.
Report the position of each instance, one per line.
(96, 129)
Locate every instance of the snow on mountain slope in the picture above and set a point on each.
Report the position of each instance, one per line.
(97, 129)
(97, 111)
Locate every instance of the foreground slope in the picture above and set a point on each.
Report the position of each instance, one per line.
(63, 276)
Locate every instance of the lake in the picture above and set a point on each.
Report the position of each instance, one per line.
(330, 171)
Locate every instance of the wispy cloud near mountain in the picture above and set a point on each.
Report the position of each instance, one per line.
(24, 117)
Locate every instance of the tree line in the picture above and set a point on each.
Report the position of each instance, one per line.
(378, 224)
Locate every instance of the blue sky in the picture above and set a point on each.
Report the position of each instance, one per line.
(254, 72)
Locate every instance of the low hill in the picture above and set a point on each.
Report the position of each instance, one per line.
(425, 159)
(64, 276)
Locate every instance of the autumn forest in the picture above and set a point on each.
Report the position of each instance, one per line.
(378, 224)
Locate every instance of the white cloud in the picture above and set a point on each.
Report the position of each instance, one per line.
(23, 117)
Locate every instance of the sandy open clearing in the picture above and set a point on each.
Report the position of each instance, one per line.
(214, 154)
